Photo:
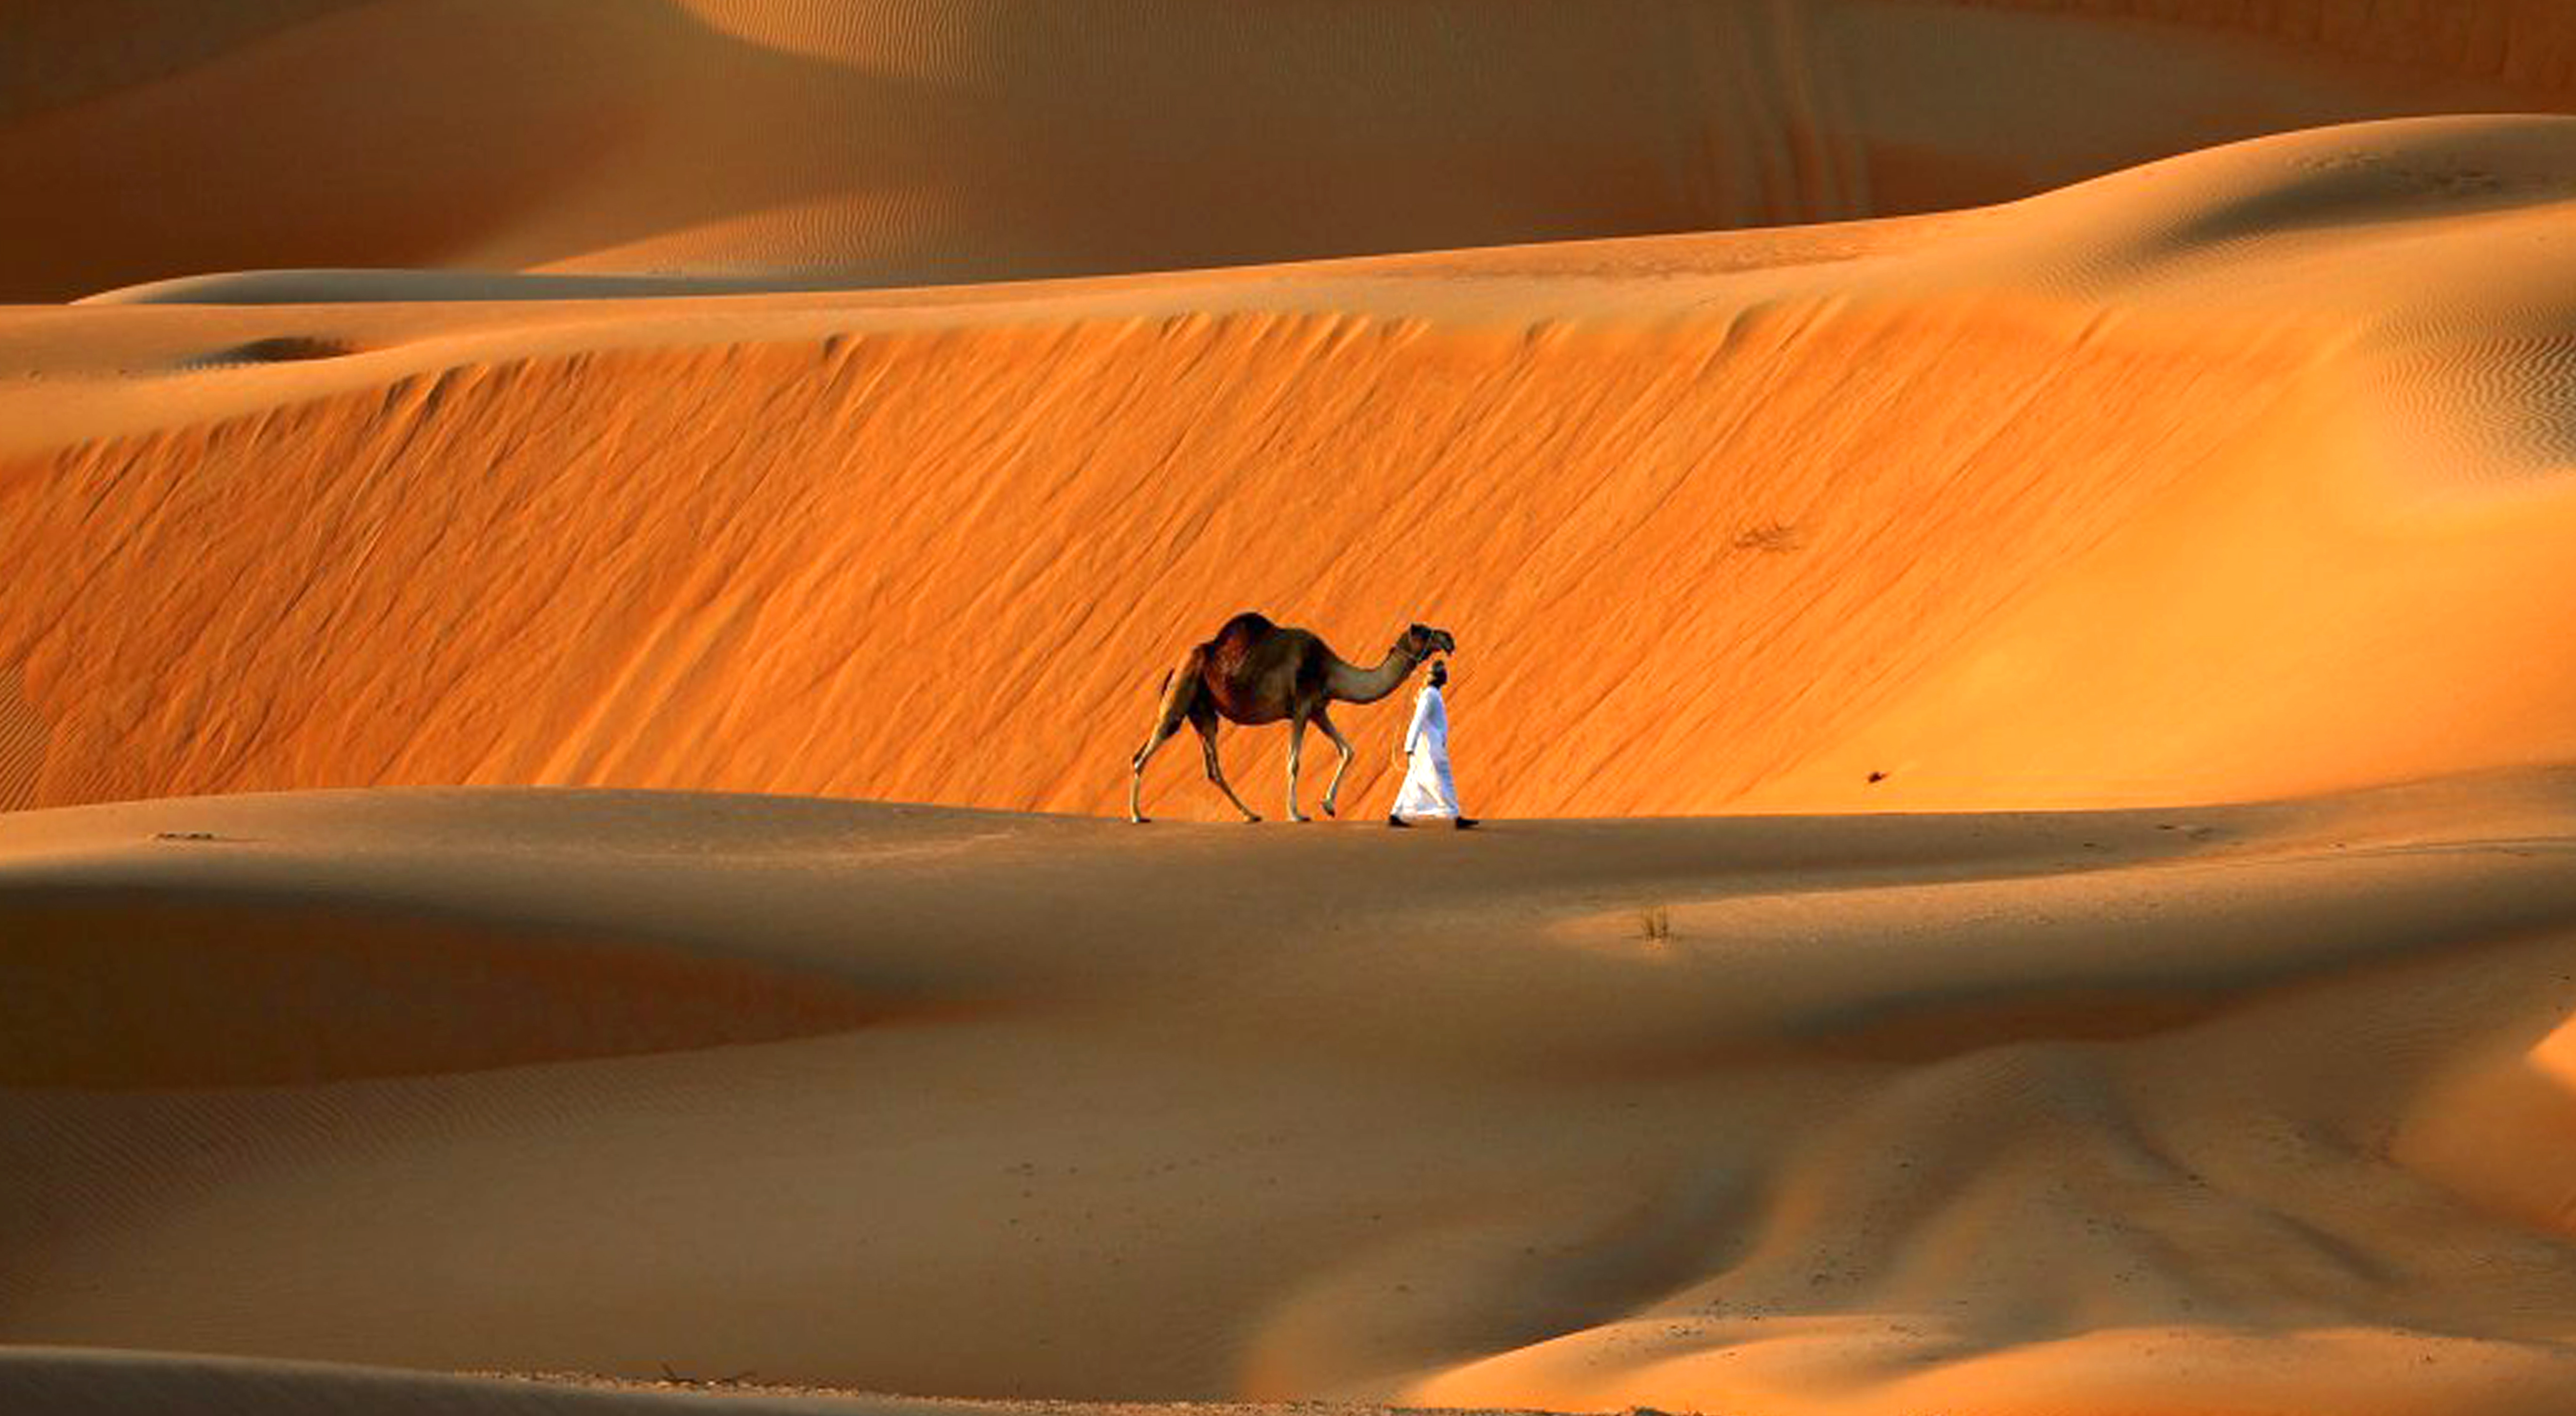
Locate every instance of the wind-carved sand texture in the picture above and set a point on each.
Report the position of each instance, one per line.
(2010, 564)
(2234, 475)
(22, 746)
(2213, 1109)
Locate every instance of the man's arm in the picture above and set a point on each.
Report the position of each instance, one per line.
(1413, 731)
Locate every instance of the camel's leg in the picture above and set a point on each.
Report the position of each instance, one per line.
(1205, 722)
(1296, 757)
(1180, 694)
(1136, 777)
(1342, 745)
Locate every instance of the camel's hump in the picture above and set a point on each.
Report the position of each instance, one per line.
(1248, 623)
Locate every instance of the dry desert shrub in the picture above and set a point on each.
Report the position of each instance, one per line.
(1770, 537)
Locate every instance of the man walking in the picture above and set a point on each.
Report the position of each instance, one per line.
(1429, 792)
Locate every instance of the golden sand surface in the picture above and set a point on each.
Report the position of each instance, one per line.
(2227, 1108)
(589, 570)
(2235, 475)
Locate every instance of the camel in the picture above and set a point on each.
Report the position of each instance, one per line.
(1253, 672)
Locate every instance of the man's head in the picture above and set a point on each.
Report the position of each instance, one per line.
(1439, 672)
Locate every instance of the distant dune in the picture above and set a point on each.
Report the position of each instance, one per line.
(892, 143)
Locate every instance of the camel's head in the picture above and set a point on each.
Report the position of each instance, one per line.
(1422, 641)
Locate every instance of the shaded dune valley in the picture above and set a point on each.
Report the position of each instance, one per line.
(589, 573)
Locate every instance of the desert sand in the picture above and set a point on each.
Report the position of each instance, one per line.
(2230, 1109)
(590, 572)
(910, 143)
(2227, 476)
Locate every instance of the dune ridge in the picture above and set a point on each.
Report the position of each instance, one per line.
(1862, 520)
(747, 623)
(891, 144)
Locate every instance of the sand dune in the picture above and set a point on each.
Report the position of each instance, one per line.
(2229, 1109)
(2108, 575)
(975, 140)
(2235, 475)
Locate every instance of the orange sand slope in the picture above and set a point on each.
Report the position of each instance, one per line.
(2224, 1110)
(2239, 474)
(899, 143)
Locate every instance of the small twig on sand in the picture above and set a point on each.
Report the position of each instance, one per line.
(675, 1378)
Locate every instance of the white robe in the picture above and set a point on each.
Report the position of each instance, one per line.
(1428, 789)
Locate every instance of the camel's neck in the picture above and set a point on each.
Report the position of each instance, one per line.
(1352, 684)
